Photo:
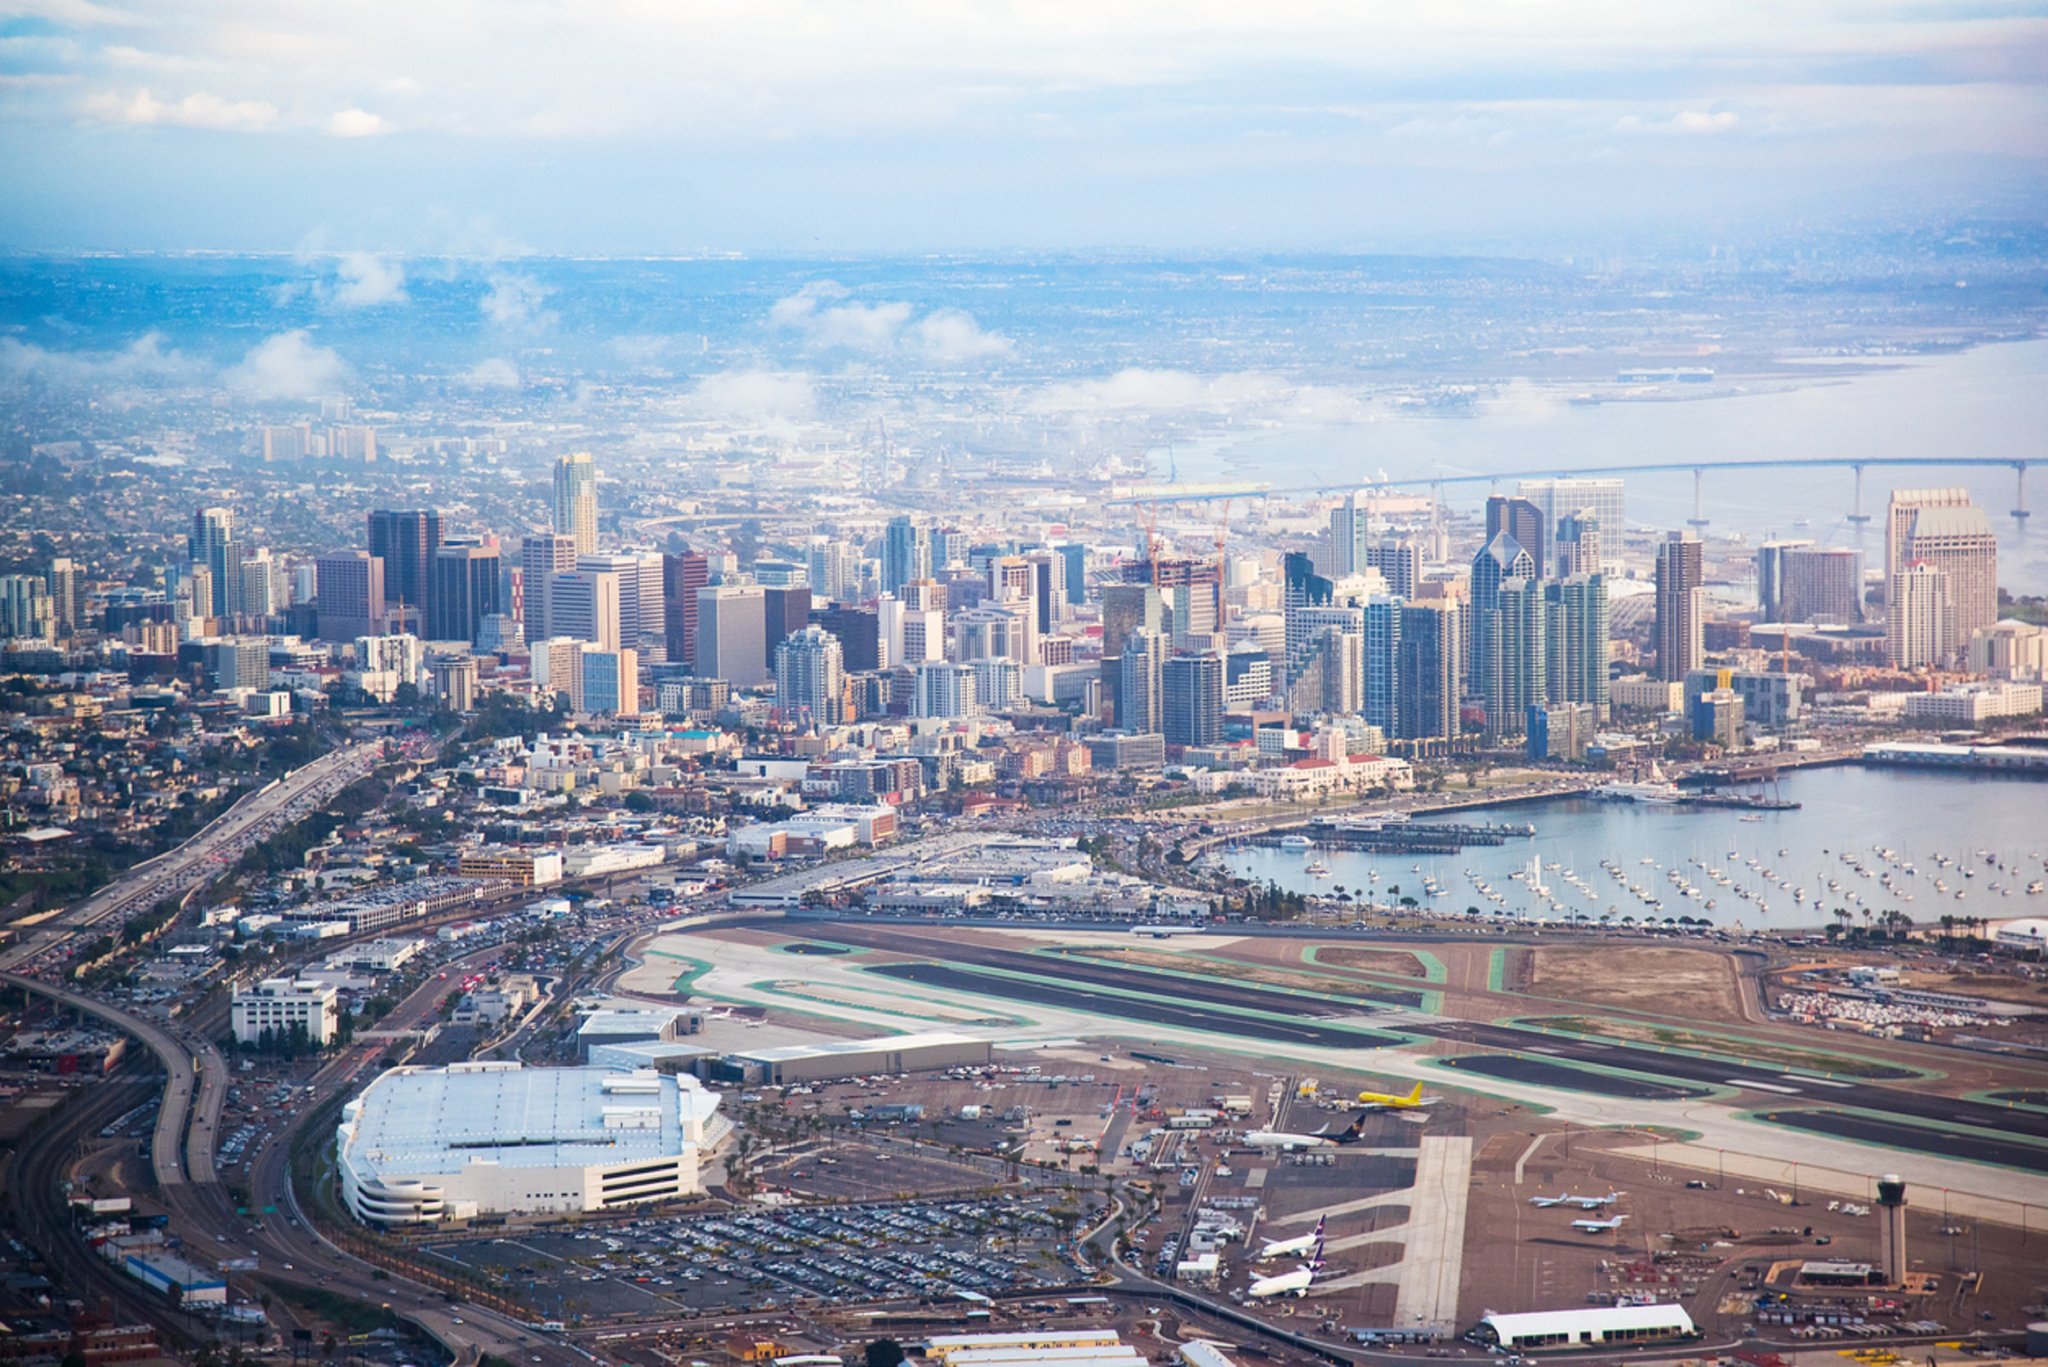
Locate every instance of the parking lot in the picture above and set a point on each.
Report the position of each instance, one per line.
(762, 1260)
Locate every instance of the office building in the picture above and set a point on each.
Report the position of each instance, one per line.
(556, 665)
(1917, 632)
(67, 594)
(25, 612)
(1531, 527)
(834, 569)
(1516, 665)
(1191, 699)
(1247, 677)
(1381, 663)
(1127, 608)
(1399, 561)
(989, 632)
(640, 592)
(1431, 671)
(682, 576)
(906, 553)
(1680, 605)
(1819, 584)
(542, 559)
(1502, 558)
(211, 546)
(1076, 556)
(998, 683)
(406, 541)
(1717, 716)
(489, 1139)
(1576, 632)
(350, 591)
(575, 503)
(276, 1009)
(1351, 532)
(732, 634)
(454, 681)
(784, 612)
(1558, 498)
(464, 589)
(584, 604)
(1579, 546)
(611, 681)
(1943, 529)
(810, 678)
(1139, 674)
(859, 631)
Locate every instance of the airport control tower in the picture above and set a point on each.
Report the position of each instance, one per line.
(1891, 1195)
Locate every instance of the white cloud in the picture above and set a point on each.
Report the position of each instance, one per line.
(200, 109)
(364, 279)
(289, 365)
(1696, 121)
(357, 123)
(1163, 391)
(823, 318)
(766, 398)
(144, 361)
(494, 373)
(952, 336)
(514, 302)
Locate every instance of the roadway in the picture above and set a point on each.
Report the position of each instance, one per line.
(218, 845)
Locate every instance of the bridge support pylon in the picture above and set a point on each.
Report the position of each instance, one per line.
(1699, 510)
(2019, 505)
(1856, 513)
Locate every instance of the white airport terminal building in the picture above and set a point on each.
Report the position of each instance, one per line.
(423, 1145)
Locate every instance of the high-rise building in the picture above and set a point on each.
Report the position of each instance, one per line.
(906, 553)
(575, 505)
(1431, 672)
(1048, 590)
(1527, 523)
(1381, 660)
(464, 588)
(1302, 588)
(1944, 529)
(209, 547)
(640, 592)
(859, 631)
(991, 632)
(557, 667)
(1557, 498)
(611, 681)
(1579, 545)
(1517, 666)
(25, 612)
(1917, 632)
(541, 559)
(1576, 634)
(67, 598)
(1680, 605)
(350, 588)
(1399, 561)
(682, 575)
(834, 567)
(1770, 577)
(1191, 699)
(784, 612)
(584, 605)
(406, 542)
(1502, 558)
(944, 690)
(1815, 584)
(1076, 556)
(454, 681)
(258, 588)
(1127, 608)
(810, 678)
(732, 634)
(1139, 668)
(1351, 532)
(998, 683)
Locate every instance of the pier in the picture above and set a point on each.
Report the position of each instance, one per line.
(1405, 837)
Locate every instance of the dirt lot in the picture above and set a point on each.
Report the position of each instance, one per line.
(1397, 963)
(1696, 983)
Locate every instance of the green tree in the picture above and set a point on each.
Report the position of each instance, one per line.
(883, 1353)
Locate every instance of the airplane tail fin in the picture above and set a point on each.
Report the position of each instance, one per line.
(1315, 1259)
(1320, 1219)
(1416, 1095)
(1353, 1132)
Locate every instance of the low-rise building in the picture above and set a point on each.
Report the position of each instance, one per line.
(281, 1007)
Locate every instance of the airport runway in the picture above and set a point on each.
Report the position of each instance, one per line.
(1872, 1130)
(1188, 1016)
(1906, 1100)
(1521, 1068)
(1068, 968)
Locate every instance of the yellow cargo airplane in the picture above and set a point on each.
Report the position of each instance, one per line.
(1395, 1101)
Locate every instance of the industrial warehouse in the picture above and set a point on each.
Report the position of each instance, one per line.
(423, 1145)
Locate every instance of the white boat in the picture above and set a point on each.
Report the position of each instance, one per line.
(1296, 842)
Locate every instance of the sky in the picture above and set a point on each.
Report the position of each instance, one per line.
(686, 126)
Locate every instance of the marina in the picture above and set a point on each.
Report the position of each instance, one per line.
(1873, 849)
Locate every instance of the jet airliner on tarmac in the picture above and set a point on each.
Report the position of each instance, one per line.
(1321, 1139)
(1295, 1283)
(1579, 1202)
(1281, 1248)
(1398, 1101)
(1598, 1226)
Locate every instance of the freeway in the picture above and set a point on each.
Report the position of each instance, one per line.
(223, 840)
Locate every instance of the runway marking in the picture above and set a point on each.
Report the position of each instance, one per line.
(1761, 1086)
(1534, 1143)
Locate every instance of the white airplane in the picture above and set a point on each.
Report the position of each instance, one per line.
(1580, 1202)
(1321, 1139)
(1598, 1226)
(1281, 1248)
(1295, 1283)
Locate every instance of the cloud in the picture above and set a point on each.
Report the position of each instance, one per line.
(494, 373)
(823, 319)
(363, 280)
(200, 109)
(1163, 391)
(951, 336)
(145, 361)
(1695, 121)
(514, 302)
(289, 365)
(768, 398)
(357, 123)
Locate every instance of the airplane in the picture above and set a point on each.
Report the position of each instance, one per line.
(1598, 1226)
(1581, 1202)
(1280, 1248)
(1396, 1101)
(1287, 1143)
(1295, 1283)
